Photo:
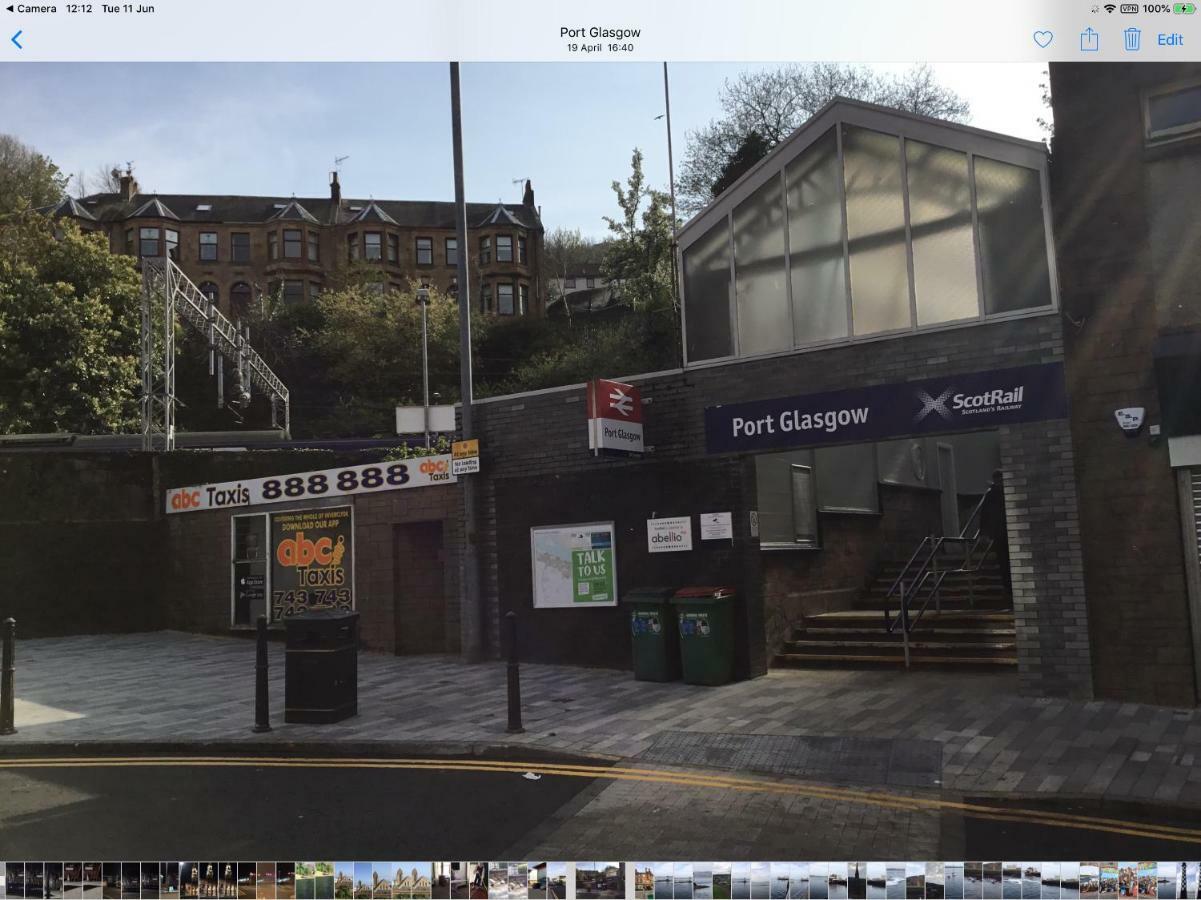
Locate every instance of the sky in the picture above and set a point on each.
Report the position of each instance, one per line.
(275, 129)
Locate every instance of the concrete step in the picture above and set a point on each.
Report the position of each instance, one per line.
(888, 647)
(863, 661)
(837, 634)
(860, 618)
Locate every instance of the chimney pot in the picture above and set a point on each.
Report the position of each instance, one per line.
(335, 188)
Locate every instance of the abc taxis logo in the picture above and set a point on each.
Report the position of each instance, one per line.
(435, 469)
(317, 562)
(183, 500)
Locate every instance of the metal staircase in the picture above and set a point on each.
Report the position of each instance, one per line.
(169, 295)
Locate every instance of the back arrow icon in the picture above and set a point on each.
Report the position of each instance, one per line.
(15, 41)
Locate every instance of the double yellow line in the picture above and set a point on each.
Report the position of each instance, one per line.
(688, 779)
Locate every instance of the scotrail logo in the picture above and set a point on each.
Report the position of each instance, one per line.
(995, 400)
(934, 405)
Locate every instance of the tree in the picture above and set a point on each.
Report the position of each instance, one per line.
(28, 180)
(638, 260)
(752, 149)
(776, 102)
(69, 330)
(564, 252)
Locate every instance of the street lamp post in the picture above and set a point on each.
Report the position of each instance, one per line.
(423, 297)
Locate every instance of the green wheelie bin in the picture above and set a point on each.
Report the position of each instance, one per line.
(656, 639)
(706, 625)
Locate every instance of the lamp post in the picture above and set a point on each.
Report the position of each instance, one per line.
(423, 297)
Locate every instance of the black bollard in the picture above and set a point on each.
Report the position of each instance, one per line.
(6, 678)
(262, 713)
(514, 678)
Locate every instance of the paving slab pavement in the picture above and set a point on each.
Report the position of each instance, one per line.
(169, 687)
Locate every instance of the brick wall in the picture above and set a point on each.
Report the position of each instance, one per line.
(542, 436)
(1131, 542)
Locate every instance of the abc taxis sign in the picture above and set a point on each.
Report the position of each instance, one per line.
(362, 479)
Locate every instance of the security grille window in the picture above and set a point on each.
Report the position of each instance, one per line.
(208, 246)
(148, 242)
(372, 245)
(521, 251)
(425, 251)
(452, 251)
(504, 248)
(862, 232)
(293, 243)
(172, 241)
(393, 248)
(485, 251)
(523, 298)
(239, 247)
(314, 246)
(249, 587)
(504, 299)
(1172, 113)
(272, 245)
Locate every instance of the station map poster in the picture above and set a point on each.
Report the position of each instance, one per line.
(311, 561)
(574, 566)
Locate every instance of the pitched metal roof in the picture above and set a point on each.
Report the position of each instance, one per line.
(372, 213)
(500, 216)
(154, 208)
(69, 206)
(293, 212)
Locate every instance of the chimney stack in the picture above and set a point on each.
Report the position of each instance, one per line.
(335, 189)
(129, 186)
(527, 199)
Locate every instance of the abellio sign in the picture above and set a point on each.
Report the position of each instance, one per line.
(956, 403)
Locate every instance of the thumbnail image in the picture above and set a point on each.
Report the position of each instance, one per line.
(131, 879)
(381, 881)
(599, 879)
(247, 888)
(857, 880)
(1110, 873)
(54, 881)
(1147, 878)
(877, 881)
(722, 887)
(168, 880)
(895, 881)
(323, 880)
(702, 881)
(72, 880)
(819, 881)
(1168, 880)
(264, 881)
(1189, 877)
(1032, 880)
(935, 881)
(557, 880)
(209, 879)
(798, 880)
(682, 882)
(306, 876)
(953, 880)
(1069, 881)
(1090, 880)
(227, 880)
(111, 881)
(440, 883)
(285, 880)
(362, 881)
(343, 880)
(4, 879)
(412, 880)
(498, 879)
(973, 880)
(35, 879)
(148, 886)
(662, 874)
(93, 880)
(189, 879)
(992, 879)
(1050, 881)
(644, 880)
(1128, 879)
(518, 881)
(1013, 881)
(781, 873)
(837, 880)
(915, 881)
(536, 879)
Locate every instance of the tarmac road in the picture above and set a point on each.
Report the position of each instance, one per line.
(480, 808)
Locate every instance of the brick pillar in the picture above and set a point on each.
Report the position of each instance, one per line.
(1050, 613)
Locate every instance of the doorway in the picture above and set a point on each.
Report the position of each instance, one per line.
(948, 484)
(419, 587)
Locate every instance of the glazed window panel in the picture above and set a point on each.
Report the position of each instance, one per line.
(1013, 240)
(293, 243)
(940, 226)
(876, 231)
(760, 289)
(818, 270)
(425, 251)
(149, 241)
(208, 246)
(373, 245)
(504, 299)
(707, 289)
(314, 246)
(846, 479)
(239, 247)
(504, 248)
(452, 251)
(786, 499)
(393, 248)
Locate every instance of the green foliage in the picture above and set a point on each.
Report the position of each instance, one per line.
(752, 149)
(28, 180)
(638, 258)
(69, 329)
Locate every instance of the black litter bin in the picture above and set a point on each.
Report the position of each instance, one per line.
(706, 625)
(656, 639)
(321, 666)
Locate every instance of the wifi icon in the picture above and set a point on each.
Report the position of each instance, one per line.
(1110, 7)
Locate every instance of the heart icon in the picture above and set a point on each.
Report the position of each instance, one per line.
(1043, 38)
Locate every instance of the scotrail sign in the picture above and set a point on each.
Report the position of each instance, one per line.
(614, 416)
(957, 403)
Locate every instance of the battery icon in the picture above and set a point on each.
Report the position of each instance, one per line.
(1184, 9)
